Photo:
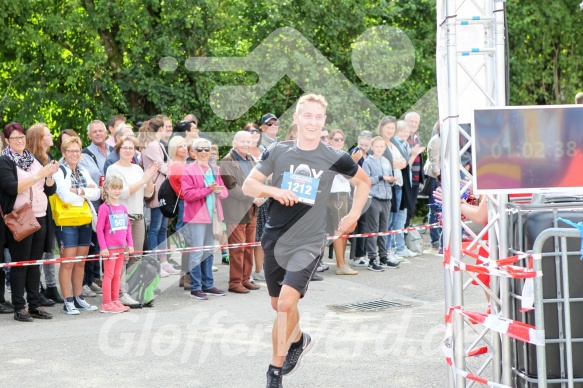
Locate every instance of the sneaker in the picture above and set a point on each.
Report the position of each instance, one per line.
(405, 253)
(174, 264)
(87, 292)
(127, 300)
(198, 294)
(346, 271)
(294, 355)
(95, 288)
(111, 308)
(360, 262)
(163, 274)
(22, 316)
(214, 292)
(121, 305)
(316, 277)
(6, 307)
(395, 259)
(260, 276)
(225, 260)
(440, 251)
(322, 267)
(166, 266)
(69, 308)
(435, 245)
(274, 378)
(80, 304)
(386, 263)
(215, 269)
(374, 266)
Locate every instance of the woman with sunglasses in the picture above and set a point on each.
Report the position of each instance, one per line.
(203, 189)
(255, 150)
(338, 206)
(23, 179)
(74, 187)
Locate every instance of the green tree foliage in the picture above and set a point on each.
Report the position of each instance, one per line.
(545, 51)
(68, 62)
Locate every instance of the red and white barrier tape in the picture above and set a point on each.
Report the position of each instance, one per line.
(76, 259)
(514, 329)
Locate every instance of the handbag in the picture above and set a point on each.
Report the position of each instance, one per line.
(427, 189)
(21, 222)
(217, 224)
(69, 215)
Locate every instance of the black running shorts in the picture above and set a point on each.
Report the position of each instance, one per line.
(292, 265)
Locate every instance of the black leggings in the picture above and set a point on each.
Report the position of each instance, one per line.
(27, 277)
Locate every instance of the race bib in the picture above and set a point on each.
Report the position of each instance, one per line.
(118, 222)
(304, 187)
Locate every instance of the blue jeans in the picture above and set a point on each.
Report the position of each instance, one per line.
(393, 220)
(400, 224)
(157, 230)
(180, 216)
(435, 232)
(200, 263)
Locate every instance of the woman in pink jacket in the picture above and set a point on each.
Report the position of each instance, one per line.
(203, 189)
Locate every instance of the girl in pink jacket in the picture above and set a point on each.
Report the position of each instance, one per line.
(114, 234)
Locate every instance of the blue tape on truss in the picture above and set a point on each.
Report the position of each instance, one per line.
(578, 226)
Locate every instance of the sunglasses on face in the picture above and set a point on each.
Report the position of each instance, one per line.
(253, 130)
(276, 123)
(337, 139)
(205, 149)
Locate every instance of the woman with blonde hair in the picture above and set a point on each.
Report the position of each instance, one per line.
(74, 187)
(39, 140)
(152, 132)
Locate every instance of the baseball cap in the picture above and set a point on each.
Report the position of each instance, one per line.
(266, 117)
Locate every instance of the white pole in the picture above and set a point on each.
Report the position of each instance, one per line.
(451, 184)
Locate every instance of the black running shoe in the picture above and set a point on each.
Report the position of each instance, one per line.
(293, 357)
(274, 378)
(374, 266)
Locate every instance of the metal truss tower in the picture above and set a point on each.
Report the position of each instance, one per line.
(471, 72)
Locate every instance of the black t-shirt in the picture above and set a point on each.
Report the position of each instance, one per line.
(302, 223)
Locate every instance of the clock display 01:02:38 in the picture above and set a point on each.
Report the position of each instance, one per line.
(536, 150)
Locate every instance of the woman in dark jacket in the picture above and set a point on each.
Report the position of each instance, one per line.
(20, 175)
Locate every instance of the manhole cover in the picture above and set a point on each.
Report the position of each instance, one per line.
(371, 305)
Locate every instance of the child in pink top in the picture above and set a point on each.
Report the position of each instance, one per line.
(114, 235)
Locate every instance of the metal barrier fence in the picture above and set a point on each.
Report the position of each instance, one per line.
(558, 295)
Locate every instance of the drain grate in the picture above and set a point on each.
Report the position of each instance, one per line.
(371, 305)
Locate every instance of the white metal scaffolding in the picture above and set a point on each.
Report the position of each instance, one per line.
(471, 72)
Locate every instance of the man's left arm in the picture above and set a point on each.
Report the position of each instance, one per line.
(361, 184)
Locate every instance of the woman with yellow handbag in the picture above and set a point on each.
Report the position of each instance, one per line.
(74, 188)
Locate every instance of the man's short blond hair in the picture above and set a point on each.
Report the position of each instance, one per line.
(311, 98)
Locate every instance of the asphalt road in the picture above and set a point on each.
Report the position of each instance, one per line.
(226, 341)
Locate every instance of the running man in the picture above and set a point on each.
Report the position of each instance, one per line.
(295, 237)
